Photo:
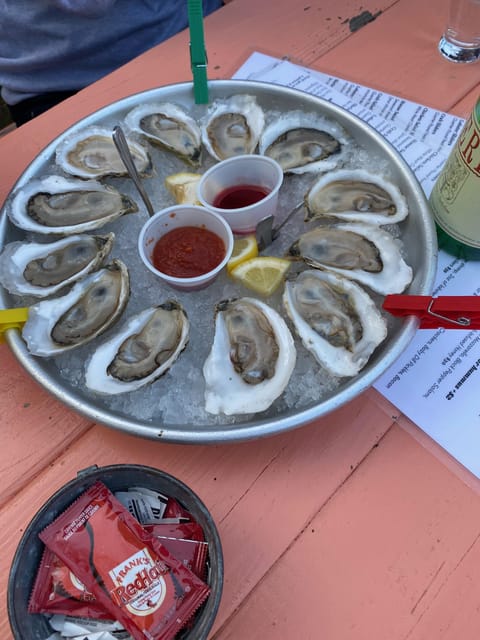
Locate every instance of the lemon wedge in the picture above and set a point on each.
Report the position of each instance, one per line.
(262, 274)
(244, 248)
(183, 186)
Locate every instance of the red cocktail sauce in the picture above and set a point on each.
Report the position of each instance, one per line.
(187, 252)
(240, 195)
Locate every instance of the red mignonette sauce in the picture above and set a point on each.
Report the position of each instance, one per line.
(188, 252)
(240, 195)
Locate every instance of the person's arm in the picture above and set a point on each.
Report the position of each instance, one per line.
(86, 8)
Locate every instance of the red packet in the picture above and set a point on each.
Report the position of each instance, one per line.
(178, 530)
(186, 542)
(129, 572)
(175, 510)
(192, 553)
(57, 590)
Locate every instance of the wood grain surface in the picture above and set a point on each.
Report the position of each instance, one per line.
(353, 527)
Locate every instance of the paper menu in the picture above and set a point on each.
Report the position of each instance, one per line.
(437, 128)
(435, 380)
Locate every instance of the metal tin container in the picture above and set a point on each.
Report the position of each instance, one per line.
(419, 244)
(119, 477)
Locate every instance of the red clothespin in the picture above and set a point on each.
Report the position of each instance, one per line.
(449, 312)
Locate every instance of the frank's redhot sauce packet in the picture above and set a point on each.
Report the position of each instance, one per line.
(129, 572)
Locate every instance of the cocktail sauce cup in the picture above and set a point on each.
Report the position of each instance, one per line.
(184, 216)
(243, 172)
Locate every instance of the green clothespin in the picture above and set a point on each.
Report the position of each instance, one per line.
(198, 54)
(12, 319)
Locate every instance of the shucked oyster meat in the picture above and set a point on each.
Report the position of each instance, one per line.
(91, 153)
(302, 142)
(93, 305)
(64, 206)
(361, 252)
(356, 195)
(41, 269)
(142, 351)
(169, 126)
(233, 126)
(251, 359)
(336, 320)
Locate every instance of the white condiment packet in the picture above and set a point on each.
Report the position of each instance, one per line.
(150, 492)
(157, 501)
(73, 626)
(145, 505)
(136, 503)
(104, 635)
(101, 635)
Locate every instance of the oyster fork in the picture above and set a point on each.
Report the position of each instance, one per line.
(266, 233)
(121, 143)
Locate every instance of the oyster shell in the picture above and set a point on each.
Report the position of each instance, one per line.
(142, 351)
(41, 269)
(356, 195)
(251, 360)
(167, 125)
(57, 205)
(232, 127)
(91, 153)
(93, 305)
(361, 252)
(336, 320)
(302, 142)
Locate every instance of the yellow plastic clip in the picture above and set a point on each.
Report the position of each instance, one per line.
(12, 319)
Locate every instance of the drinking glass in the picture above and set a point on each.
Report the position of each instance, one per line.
(460, 41)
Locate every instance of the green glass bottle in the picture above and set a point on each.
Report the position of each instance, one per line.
(455, 197)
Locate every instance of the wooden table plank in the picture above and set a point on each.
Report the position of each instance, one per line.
(302, 31)
(465, 106)
(398, 53)
(453, 613)
(254, 490)
(439, 452)
(390, 556)
(35, 427)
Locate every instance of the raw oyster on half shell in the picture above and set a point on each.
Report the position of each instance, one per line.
(91, 153)
(169, 126)
(64, 206)
(93, 305)
(41, 269)
(361, 252)
(302, 142)
(142, 351)
(251, 359)
(356, 195)
(336, 320)
(232, 126)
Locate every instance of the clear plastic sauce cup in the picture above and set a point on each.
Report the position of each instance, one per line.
(176, 217)
(242, 189)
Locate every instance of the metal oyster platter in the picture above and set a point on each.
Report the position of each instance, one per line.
(172, 408)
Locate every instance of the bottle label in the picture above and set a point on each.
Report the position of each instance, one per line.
(455, 197)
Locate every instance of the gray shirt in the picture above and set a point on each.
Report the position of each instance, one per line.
(62, 45)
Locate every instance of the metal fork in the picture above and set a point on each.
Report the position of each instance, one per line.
(121, 143)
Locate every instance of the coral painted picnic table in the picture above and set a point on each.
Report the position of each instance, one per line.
(354, 526)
